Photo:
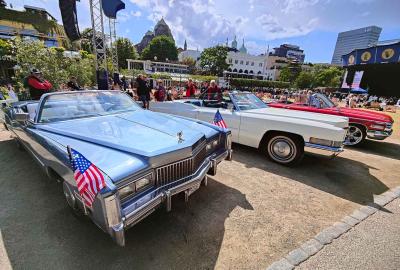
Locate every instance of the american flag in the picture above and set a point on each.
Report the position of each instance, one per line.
(88, 177)
(218, 121)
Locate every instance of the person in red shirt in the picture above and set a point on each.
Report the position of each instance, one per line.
(37, 84)
(214, 92)
(190, 89)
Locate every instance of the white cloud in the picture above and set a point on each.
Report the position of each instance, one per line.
(207, 22)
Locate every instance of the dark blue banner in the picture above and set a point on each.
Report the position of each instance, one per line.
(374, 55)
(388, 53)
(366, 56)
(349, 59)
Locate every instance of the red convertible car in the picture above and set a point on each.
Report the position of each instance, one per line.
(362, 124)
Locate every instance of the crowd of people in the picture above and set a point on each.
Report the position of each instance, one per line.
(347, 99)
(145, 89)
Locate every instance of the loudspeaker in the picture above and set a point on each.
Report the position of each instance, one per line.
(102, 80)
(70, 19)
(111, 7)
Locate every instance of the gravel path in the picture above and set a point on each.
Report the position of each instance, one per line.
(373, 244)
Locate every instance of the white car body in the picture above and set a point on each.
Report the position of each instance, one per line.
(249, 126)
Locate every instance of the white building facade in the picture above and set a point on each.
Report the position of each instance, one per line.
(246, 64)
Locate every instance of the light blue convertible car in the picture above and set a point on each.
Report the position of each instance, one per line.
(145, 157)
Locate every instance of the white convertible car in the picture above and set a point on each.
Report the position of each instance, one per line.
(281, 134)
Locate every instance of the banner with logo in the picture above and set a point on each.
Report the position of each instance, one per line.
(366, 56)
(388, 53)
(374, 55)
(349, 59)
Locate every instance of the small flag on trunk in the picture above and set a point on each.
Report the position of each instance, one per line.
(88, 177)
(218, 120)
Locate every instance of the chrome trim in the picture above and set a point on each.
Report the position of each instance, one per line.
(112, 208)
(323, 147)
(130, 218)
(378, 134)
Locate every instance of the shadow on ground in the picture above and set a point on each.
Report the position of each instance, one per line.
(40, 232)
(380, 148)
(342, 177)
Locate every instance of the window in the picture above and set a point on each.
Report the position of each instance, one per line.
(260, 64)
(230, 61)
(241, 62)
(247, 63)
(236, 61)
(252, 63)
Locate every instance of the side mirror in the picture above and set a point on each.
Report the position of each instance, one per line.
(22, 117)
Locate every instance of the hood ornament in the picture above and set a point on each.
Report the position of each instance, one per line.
(180, 136)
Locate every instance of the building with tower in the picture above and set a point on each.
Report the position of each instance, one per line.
(234, 44)
(244, 65)
(187, 53)
(161, 29)
(355, 39)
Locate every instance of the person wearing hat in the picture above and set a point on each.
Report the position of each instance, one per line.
(37, 85)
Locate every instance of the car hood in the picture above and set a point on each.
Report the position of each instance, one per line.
(141, 132)
(364, 114)
(336, 121)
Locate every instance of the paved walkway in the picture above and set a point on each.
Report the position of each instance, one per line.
(372, 244)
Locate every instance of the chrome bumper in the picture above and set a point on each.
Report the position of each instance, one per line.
(378, 135)
(322, 149)
(131, 215)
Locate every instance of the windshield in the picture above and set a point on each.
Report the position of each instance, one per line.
(75, 105)
(247, 101)
(324, 101)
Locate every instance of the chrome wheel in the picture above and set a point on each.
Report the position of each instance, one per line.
(282, 149)
(354, 135)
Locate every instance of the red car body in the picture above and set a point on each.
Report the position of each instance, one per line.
(362, 123)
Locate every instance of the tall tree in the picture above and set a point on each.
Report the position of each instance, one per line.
(162, 47)
(327, 76)
(290, 72)
(214, 59)
(3, 3)
(304, 80)
(125, 50)
(87, 40)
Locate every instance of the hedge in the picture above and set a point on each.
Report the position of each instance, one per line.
(257, 83)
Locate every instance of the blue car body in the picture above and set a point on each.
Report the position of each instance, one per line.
(171, 154)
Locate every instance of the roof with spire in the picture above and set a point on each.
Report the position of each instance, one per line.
(234, 43)
(243, 49)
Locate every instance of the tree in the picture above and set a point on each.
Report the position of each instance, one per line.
(5, 47)
(327, 76)
(162, 47)
(87, 40)
(53, 64)
(125, 50)
(214, 59)
(304, 80)
(290, 73)
(191, 63)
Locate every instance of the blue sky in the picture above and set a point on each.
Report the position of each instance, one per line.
(311, 24)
